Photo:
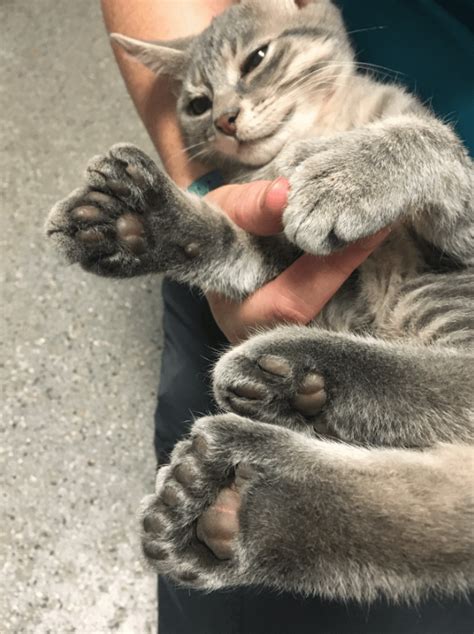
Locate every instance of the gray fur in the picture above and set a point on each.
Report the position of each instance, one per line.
(316, 517)
(391, 354)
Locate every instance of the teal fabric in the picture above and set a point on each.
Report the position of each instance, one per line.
(426, 45)
(205, 184)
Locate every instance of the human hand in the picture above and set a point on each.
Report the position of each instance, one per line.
(299, 293)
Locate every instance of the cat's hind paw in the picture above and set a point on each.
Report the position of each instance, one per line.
(190, 527)
(271, 381)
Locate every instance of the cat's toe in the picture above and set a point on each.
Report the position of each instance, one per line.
(124, 173)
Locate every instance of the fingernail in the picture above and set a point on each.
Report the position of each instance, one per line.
(277, 194)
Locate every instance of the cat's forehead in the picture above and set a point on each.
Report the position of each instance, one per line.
(216, 49)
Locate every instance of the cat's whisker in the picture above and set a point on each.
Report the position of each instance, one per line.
(367, 66)
(186, 150)
(365, 30)
(195, 155)
(376, 68)
(317, 73)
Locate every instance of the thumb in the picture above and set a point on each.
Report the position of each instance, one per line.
(256, 207)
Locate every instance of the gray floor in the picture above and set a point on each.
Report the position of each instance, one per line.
(80, 355)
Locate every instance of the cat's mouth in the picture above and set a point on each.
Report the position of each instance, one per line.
(246, 144)
(261, 139)
(257, 150)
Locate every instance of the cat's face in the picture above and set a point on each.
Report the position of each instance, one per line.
(257, 77)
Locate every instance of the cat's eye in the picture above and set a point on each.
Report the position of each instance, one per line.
(199, 106)
(254, 60)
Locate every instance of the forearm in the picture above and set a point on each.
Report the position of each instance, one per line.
(153, 97)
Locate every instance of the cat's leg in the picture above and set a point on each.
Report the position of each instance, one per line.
(358, 389)
(408, 168)
(247, 503)
(129, 218)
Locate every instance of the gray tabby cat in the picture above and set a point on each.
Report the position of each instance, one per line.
(345, 467)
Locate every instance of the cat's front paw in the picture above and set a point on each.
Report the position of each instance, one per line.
(105, 224)
(273, 379)
(191, 527)
(336, 197)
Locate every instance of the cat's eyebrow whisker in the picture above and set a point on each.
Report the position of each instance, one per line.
(321, 82)
(320, 73)
(315, 73)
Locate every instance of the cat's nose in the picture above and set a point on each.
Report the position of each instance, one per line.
(227, 122)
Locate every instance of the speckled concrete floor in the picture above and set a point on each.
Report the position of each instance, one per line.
(80, 355)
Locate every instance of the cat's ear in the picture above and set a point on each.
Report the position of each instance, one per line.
(163, 58)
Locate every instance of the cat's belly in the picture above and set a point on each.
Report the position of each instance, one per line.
(364, 304)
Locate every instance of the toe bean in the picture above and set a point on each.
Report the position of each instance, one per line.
(274, 365)
(152, 524)
(200, 445)
(90, 236)
(310, 404)
(170, 497)
(100, 197)
(184, 474)
(136, 175)
(192, 250)
(87, 213)
(312, 383)
(153, 551)
(135, 244)
(244, 473)
(118, 188)
(251, 392)
(129, 225)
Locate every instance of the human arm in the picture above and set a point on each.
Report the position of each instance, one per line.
(286, 297)
(153, 97)
(299, 293)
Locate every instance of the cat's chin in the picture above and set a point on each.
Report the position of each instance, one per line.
(253, 153)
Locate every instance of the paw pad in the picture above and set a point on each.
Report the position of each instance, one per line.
(152, 524)
(274, 365)
(218, 526)
(170, 496)
(131, 232)
(154, 551)
(90, 236)
(184, 474)
(270, 387)
(87, 213)
(200, 445)
(102, 225)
